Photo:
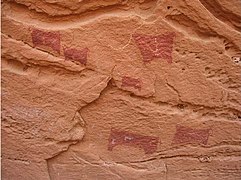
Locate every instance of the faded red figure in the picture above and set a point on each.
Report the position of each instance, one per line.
(155, 46)
(49, 39)
(147, 143)
(76, 55)
(131, 82)
(187, 135)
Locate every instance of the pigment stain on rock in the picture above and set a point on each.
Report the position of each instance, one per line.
(49, 39)
(147, 143)
(187, 135)
(159, 46)
(131, 82)
(56, 111)
(76, 55)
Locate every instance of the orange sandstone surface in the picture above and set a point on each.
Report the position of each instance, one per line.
(121, 89)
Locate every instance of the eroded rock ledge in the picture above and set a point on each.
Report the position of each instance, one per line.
(121, 89)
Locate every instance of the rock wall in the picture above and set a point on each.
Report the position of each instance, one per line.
(121, 89)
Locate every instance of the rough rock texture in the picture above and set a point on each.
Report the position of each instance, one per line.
(121, 89)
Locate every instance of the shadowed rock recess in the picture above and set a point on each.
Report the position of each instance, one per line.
(121, 89)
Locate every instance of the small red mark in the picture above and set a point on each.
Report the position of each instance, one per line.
(131, 82)
(187, 135)
(50, 39)
(147, 143)
(76, 55)
(155, 46)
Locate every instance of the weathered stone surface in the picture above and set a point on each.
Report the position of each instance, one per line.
(121, 89)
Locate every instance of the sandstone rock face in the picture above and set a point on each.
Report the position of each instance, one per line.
(121, 89)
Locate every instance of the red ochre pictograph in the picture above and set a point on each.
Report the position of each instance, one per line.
(147, 143)
(49, 39)
(76, 55)
(159, 46)
(187, 135)
(131, 82)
